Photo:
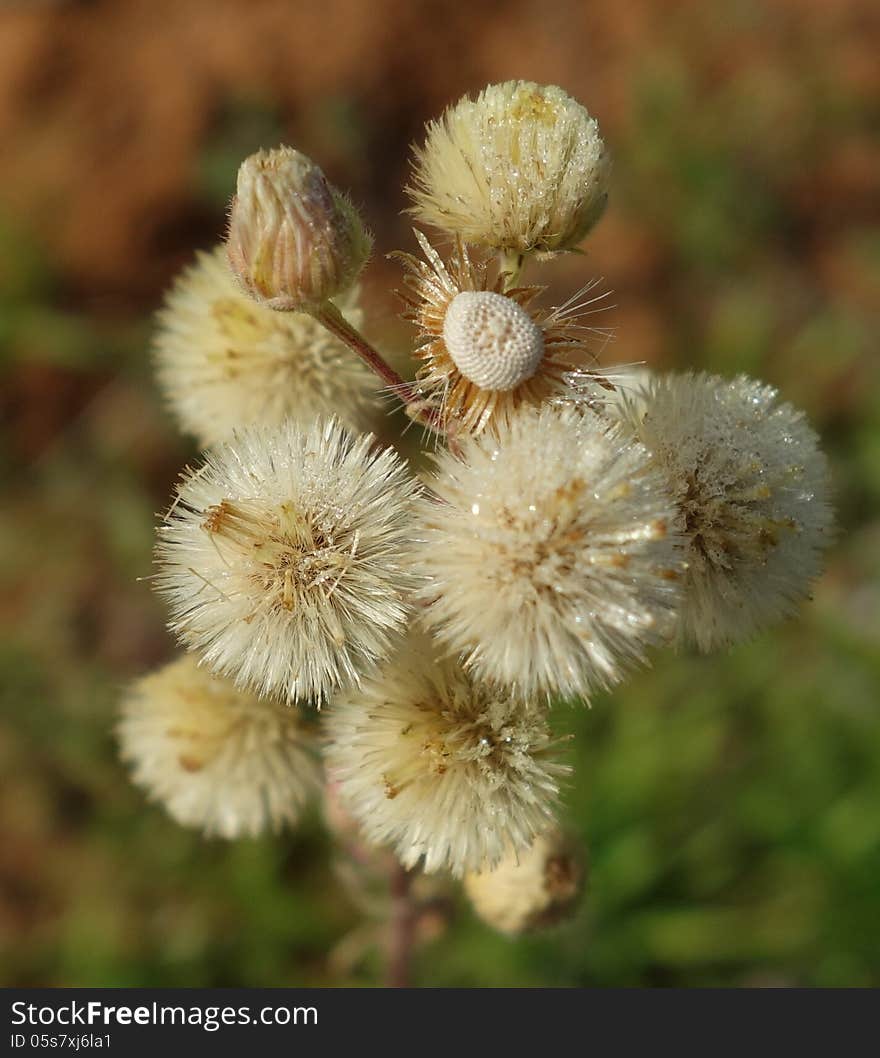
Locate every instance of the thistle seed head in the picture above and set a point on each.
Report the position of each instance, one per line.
(225, 362)
(441, 768)
(520, 168)
(217, 758)
(751, 491)
(285, 558)
(549, 559)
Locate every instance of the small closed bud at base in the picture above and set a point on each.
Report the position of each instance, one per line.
(536, 889)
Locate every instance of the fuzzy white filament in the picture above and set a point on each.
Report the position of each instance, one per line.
(283, 558)
(492, 341)
(225, 361)
(550, 555)
(751, 488)
(217, 758)
(441, 768)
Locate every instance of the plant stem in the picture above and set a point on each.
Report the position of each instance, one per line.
(401, 929)
(416, 407)
(510, 264)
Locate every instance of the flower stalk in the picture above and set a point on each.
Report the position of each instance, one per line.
(401, 929)
(417, 407)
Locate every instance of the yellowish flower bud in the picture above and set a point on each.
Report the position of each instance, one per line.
(521, 168)
(294, 240)
(533, 890)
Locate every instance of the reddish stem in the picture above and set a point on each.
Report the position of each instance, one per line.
(417, 408)
(402, 929)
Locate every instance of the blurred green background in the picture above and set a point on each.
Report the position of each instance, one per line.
(731, 804)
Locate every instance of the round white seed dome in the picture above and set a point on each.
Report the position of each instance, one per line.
(493, 341)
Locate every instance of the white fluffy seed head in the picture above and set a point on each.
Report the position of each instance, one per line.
(441, 768)
(294, 240)
(284, 558)
(225, 362)
(492, 340)
(550, 557)
(520, 168)
(530, 890)
(216, 758)
(751, 488)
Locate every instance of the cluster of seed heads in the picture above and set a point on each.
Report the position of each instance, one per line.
(571, 520)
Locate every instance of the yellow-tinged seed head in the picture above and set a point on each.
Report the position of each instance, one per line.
(226, 362)
(520, 168)
(294, 240)
(492, 340)
(218, 758)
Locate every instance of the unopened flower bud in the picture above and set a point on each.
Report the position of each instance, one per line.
(533, 890)
(294, 241)
(521, 168)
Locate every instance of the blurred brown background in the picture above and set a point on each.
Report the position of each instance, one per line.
(730, 803)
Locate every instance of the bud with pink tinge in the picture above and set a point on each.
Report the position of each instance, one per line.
(294, 240)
